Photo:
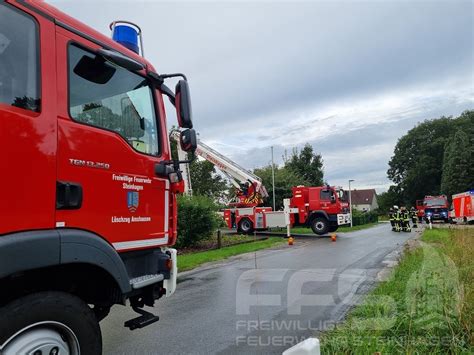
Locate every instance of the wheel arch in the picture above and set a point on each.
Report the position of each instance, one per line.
(35, 251)
(316, 214)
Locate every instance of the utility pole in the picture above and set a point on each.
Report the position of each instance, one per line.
(350, 200)
(273, 180)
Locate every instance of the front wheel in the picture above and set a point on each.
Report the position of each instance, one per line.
(320, 225)
(49, 323)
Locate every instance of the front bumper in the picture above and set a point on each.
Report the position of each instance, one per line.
(343, 218)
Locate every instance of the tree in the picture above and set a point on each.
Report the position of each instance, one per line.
(388, 199)
(205, 180)
(307, 165)
(416, 165)
(285, 179)
(458, 168)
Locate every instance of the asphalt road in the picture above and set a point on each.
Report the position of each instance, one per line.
(235, 308)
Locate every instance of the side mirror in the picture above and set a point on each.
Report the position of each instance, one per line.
(163, 170)
(333, 199)
(183, 105)
(188, 140)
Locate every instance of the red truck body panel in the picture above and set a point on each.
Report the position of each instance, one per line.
(463, 207)
(420, 207)
(41, 149)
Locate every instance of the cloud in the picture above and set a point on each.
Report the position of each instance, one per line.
(349, 77)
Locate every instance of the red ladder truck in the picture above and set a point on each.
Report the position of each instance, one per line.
(249, 190)
(322, 208)
(88, 206)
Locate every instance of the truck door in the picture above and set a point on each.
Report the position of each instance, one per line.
(108, 145)
(27, 120)
(325, 198)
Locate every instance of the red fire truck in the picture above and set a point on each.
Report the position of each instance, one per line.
(88, 198)
(322, 208)
(463, 207)
(420, 210)
(436, 208)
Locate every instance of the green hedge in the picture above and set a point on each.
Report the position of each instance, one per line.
(360, 218)
(197, 220)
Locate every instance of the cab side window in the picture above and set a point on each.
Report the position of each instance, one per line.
(19, 60)
(325, 194)
(110, 97)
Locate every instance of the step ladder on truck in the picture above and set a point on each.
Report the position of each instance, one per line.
(323, 208)
(89, 218)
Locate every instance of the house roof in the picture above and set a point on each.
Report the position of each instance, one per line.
(362, 197)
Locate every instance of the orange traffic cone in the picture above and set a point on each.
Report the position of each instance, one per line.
(290, 241)
(333, 237)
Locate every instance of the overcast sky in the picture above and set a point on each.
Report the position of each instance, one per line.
(349, 77)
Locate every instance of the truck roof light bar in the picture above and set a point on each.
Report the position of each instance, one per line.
(127, 34)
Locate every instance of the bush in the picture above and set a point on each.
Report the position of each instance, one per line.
(197, 220)
(360, 218)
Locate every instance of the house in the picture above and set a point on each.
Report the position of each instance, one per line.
(364, 200)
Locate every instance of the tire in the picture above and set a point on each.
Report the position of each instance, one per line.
(333, 229)
(320, 225)
(245, 226)
(47, 320)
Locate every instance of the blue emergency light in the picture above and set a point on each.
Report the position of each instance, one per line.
(127, 33)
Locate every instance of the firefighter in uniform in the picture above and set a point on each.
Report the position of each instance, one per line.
(391, 217)
(414, 217)
(396, 218)
(405, 219)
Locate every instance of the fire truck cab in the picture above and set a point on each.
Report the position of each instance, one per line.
(88, 206)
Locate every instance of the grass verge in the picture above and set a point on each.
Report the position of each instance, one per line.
(427, 306)
(305, 230)
(192, 260)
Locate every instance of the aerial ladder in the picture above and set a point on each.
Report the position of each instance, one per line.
(249, 188)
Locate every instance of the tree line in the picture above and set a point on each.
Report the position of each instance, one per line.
(435, 157)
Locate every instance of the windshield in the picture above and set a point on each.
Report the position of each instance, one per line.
(435, 202)
(110, 97)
